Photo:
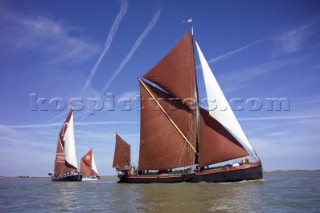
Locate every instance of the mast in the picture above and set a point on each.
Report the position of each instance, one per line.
(196, 94)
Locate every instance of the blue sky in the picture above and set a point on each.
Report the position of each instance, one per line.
(97, 50)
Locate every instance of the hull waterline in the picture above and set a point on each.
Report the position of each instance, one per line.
(90, 178)
(231, 174)
(72, 177)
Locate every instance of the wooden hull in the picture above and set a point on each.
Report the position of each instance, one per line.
(251, 171)
(68, 177)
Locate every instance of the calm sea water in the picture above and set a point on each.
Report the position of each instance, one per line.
(278, 192)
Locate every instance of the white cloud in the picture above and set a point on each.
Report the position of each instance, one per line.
(293, 40)
(17, 138)
(240, 77)
(33, 150)
(52, 39)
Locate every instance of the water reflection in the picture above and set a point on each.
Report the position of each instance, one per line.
(203, 197)
(65, 196)
(280, 192)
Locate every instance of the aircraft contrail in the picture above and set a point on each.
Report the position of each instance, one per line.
(229, 54)
(123, 10)
(136, 45)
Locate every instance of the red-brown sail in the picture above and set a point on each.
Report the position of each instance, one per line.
(61, 165)
(161, 145)
(86, 165)
(121, 158)
(217, 144)
(172, 133)
(175, 72)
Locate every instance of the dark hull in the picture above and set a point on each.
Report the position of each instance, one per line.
(232, 175)
(240, 173)
(73, 177)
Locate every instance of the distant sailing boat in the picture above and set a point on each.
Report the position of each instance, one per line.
(179, 140)
(88, 167)
(121, 158)
(65, 166)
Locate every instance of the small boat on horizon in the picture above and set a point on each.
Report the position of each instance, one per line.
(65, 164)
(121, 158)
(181, 141)
(88, 167)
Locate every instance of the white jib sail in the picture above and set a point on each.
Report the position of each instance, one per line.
(69, 146)
(93, 165)
(219, 107)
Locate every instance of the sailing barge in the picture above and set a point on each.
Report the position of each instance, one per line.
(88, 167)
(65, 164)
(179, 140)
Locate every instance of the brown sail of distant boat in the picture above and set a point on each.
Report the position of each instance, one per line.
(121, 158)
(179, 140)
(88, 167)
(65, 164)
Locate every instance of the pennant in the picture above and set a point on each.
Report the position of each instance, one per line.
(187, 20)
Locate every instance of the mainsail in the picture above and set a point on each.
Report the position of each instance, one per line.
(66, 159)
(88, 165)
(168, 126)
(121, 158)
(167, 132)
